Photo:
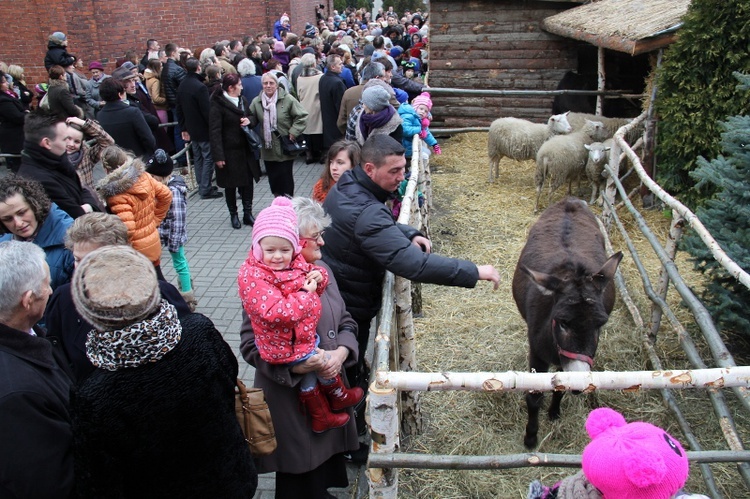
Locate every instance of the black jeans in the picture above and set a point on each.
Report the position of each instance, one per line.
(281, 177)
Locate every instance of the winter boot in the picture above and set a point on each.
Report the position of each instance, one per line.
(235, 220)
(322, 417)
(247, 210)
(190, 299)
(339, 396)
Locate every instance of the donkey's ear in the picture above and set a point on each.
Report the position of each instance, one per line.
(546, 284)
(607, 272)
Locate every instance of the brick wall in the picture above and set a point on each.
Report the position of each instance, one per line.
(105, 29)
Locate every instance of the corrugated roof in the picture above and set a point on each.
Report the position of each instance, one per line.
(632, 26)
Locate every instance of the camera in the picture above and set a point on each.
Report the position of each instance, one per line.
(321, 6)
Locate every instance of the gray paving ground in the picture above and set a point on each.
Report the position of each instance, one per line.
(215, 252)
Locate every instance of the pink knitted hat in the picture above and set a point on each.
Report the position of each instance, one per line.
(632, 461)
(422, 99)
(278, 220)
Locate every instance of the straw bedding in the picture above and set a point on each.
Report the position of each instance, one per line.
(481, 330)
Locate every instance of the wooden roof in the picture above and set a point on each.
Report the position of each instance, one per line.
(631, 26)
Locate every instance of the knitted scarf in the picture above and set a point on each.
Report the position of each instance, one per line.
(146, 341)
(269, 117)
(369, 122)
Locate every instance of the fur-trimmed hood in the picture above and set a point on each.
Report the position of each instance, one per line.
(121, 180)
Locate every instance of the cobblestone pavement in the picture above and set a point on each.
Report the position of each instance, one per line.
(215, 252)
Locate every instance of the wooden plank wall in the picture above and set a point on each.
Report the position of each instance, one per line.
(495, 44)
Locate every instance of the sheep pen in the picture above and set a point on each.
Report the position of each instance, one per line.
(481, 330)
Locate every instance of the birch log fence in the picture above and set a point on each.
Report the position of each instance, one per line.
(393, 400)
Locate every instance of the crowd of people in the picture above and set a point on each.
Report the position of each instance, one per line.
(106, 367)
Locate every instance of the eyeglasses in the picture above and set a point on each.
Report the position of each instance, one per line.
(315, 237)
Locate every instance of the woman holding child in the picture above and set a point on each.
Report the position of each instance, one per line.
(306, 462)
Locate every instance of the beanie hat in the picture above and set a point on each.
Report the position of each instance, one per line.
(632, 461)
(96, 65)
(58, 38)
(375, 98)
(114, 287)
(396, 51)
(160, 164)
(278, 46)
(413, 29)
(369, 50)
(309, 30)
(278, 220)
(284, 18)
(422, 99)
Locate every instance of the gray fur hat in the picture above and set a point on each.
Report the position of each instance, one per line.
(375, 98)
(114, 287)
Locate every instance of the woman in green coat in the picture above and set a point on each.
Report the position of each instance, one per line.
(279, 114)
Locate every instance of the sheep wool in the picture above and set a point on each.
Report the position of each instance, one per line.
(563, 158)
(520, 139)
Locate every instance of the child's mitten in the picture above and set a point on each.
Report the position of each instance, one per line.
(437, 149)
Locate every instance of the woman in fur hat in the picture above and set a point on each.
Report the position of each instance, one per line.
(156, 418)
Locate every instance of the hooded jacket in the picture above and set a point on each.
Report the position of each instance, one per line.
(283, 316)
(141, 202)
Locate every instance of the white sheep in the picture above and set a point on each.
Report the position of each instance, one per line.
(611, 125)
(563, 157)
(598, 157)
(520, 139)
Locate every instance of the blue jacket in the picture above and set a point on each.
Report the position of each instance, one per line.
(51, 238)
(412, 125)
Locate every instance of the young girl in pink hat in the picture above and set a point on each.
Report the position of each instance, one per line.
(280, 292)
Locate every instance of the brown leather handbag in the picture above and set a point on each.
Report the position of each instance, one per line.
(255, 419)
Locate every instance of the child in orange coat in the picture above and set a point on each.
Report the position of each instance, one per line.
(137, 198)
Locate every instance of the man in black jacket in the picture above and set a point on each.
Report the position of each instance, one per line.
(331, 88)
(363, 240)
(45, 160)
(172, 75)
(36, 437)
(125, 123)
(192, 110)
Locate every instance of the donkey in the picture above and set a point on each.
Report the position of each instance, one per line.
(563, 289)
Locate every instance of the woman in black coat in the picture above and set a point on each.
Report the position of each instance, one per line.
(156, 418)
(236, 163)
(12, 115)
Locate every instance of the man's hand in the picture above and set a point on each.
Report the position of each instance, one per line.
(422, 243)
(186, 136)
(220, 164)
(488, 273)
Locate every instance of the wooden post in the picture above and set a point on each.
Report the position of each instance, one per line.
(649, 160)
(411, 418)
(602, 81)
(382, 413)
(673, 239)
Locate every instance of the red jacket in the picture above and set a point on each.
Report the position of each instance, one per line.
(283, 316)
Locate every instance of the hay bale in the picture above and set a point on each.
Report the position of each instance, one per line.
(481, 330)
